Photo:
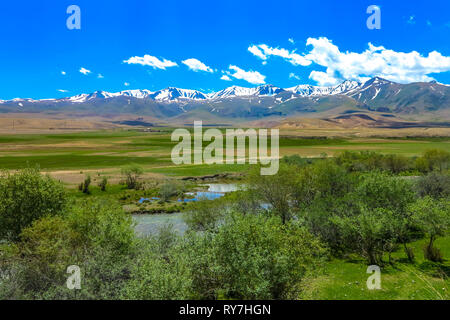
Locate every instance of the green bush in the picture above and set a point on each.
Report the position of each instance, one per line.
(434, 184)
(261, 258)
(132, 174)
(26, 196)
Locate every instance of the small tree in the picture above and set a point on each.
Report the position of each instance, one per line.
(381, 191)
(169, 189)
(132, 173)
(26, 196)
(433, 217)
(433, 159)
(368, 233)
(434, 184)
(102, 184)
(86, 184)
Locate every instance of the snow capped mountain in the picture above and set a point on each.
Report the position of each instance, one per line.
(267, 90)
(305, 90)
(235, 91)
(376, 94)
(173, 94)
(375, 91)
(346, 87)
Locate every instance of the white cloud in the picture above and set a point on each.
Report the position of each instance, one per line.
(323, 78)
(196, 65)
(256, 52)
(148, 60)
(63, 73)
(225, 77)
(291, 40)
(293, 76)
(411, 20)
(263, 51)
(62, 90)
(253, 77)
(100, 76)
(85, 71)
(126, 84)
(375, 61)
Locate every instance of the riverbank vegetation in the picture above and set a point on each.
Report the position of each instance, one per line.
(308, 232)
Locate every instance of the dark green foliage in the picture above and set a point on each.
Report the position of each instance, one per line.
(432, 217)
(433, 159)
(84, 186)
(26, 196)
(102, 184)
(434, 184)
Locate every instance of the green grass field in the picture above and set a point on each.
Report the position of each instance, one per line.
(113, 149)
(422, 280)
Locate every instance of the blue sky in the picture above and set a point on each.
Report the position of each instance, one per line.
(244, 42)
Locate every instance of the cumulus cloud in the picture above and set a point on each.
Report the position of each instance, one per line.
(126, 84)
(403, 67)
(100, 76)
(62, 90)
(253, 77)
(323, 78)
(291, 40)
(197, 65)
(85, 71)
(263, 51)
(154, 62)
(63, 73)
(257, 52)
(225, 77)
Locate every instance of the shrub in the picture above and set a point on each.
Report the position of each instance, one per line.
(433, 159)
(102, 184)
(169, 189)
(98, 237)
(434, 184)
(432, 217)
(132, 173)
(25, 197)
(367, 233)
(85, 185)
(204, 215)
(379, 190)
(261, 258)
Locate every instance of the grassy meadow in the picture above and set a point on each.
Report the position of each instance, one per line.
(68, 156)
(330, 199)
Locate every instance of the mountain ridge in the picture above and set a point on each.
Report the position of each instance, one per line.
(376, 94)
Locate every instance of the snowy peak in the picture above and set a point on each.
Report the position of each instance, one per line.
(173, 94)
(267, 90)
(309, 90)
(346, 87)
(235, 91)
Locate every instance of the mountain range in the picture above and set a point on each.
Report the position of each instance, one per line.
(377, 94)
